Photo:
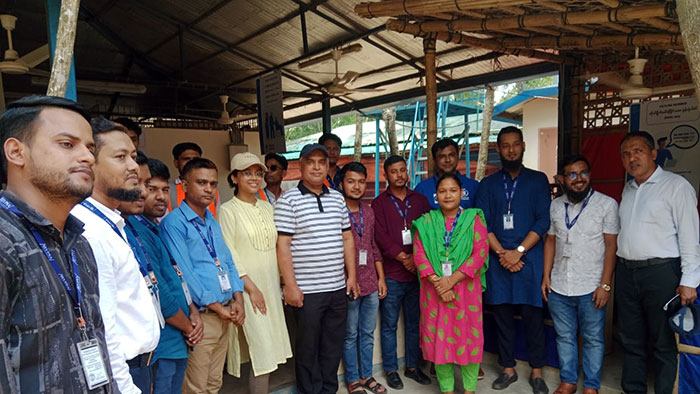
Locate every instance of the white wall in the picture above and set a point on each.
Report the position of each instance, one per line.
(158, 143)
(538, 113)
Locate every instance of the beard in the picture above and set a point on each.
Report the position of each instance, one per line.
(125, 195)
(48, 181)
(511, 164)
(574, 196)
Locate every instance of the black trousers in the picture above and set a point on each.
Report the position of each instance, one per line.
(534, 332)
(640, 294)
(319, 341)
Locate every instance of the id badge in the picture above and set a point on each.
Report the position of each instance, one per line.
(186, 290)
(446, 268)
(567, 250)
(363, 258)
(406, 237)
(224, 283)
(156, 305)
(508, 223)
(92, 363)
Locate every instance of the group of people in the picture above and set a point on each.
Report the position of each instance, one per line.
(116, 278)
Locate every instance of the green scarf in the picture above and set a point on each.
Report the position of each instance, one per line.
(431, 227)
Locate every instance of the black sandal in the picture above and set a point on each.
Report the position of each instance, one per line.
(376, 389)
(356, 388)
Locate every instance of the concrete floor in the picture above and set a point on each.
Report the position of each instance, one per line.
(282, 380)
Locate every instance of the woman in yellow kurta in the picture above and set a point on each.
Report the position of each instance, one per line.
(249, 231)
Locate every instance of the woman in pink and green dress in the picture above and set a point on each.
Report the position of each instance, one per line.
(451, 255)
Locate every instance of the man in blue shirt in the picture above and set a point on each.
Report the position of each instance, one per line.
(515, 202)
(195, 240)
(446, 160)
(183, 324)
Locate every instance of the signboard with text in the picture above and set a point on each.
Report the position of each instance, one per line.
(270, 114)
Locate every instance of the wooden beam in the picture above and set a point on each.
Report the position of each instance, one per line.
(578, 29)
(610, 3)
(662, 24)
(618, 27)
(551, 5)
(424, 7)
(544, 30)
(430, 98)
(661, 41)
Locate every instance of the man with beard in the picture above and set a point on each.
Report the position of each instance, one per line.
(515, 202)
(333, 145)
(579, 260)
(47, 167)
(445, 153)
(158, 186)
(184, 326)
(395, 210)
(131, 321)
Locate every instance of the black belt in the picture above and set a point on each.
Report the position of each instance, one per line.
(634, 264)
(142, 360)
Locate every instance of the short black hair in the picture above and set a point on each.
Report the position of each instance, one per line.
(130, 125)
(330, 136)
(353, 166)
(233, 186)
(158, 169)
(19, 116)
(391, 160)
(141, 158)
(448, 175)
(183, 146)
(442, 144)
(509, 130)
(101, 125)
(194, 164)
(648, 139)
(279, 158)
(571, 159)
(660, 140)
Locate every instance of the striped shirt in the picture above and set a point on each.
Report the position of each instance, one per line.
(316, 224)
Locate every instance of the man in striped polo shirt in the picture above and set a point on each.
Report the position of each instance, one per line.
(316, 256)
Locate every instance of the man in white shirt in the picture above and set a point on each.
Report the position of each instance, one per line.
(131, 324)
(659, 257)
(579, 259)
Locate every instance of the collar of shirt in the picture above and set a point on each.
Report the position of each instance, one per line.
(409, 193)
(112, 215)
(658, 173)
(567, 200)
(177, 181)
(192, 215)
(304, 190)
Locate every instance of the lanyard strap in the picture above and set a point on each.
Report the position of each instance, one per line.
(147, 223)
(90, 207)
(148, 271)
(403, 214)
(210, 247)
(354, 223)
(570, 224)
(509, 196)
(76, 297)
(448, 234)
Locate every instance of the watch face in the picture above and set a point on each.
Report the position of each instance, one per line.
(521, 249)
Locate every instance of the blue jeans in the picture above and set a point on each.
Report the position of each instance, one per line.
(398, 295)
(569, 314)
(359, 329)
(141, 376)
(168, 375)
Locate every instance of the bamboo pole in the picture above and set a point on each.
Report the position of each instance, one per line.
(562, 19)
(485, 131)
(665, 41)
(63, 54)
(579, 29)
(662, 25)
(618, 27)
(461, 39)
(423, 7)
(357, 156)
(689, 20)
(430, 98)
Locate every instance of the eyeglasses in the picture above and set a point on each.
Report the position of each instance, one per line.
(583, 175)
(251, 174)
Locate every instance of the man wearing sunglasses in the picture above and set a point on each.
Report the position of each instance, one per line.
(579, 259)
(276, 171)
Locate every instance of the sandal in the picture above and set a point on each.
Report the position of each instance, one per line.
(356, 388)
(377, 388)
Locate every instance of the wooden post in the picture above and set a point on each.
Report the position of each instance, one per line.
(485, 132)
(689, 20)
(358, 138)
(430, 97)
(63, 50)
(389, 116)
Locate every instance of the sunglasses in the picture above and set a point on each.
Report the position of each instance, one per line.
(274, 168)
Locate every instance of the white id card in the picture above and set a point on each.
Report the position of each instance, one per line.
(508, 223)
(363, 258)
(186, 290)
(224, 283)
(406, 237)
(567, 250)
(93, 365)
(446, 268)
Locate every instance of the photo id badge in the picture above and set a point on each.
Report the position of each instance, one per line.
(567, 250)
(508, 223)
(93, 365)
(363, 258)
(446, 268)
(224, 283)
(406, 237)
(186, 290)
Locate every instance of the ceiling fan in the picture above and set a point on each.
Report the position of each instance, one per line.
(12, 63)
(226, 119)
(340, 86)
(633, 88)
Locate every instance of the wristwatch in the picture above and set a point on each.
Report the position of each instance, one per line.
(521, 249)
(606, 287)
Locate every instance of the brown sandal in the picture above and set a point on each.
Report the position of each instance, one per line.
(376, 389)
(356, 388)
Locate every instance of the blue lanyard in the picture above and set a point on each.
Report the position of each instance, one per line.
(403, 214)
(148, 271)
(147, 223)
(570, 224)
(354, 223)
(76, 297)
(448, 234)
(90, 207)
(509, 196)
(210, 248)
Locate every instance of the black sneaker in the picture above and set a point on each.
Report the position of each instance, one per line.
(417, 375)
(538, 386)
(504, 380)
(393, 380)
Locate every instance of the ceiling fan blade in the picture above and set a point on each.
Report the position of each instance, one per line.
(673, 88)
(337, 90)
(366, 90)
(612, 80)
(349, 77)
(36, 57)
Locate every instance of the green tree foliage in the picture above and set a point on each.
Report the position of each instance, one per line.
(295, 132)
(518, 87)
